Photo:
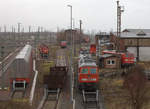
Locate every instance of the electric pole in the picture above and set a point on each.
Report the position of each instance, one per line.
(19, 27)
(5, 29)
(71, 72)
(73, 37)
(80, 21)
(12, 29)
(119, 12)
(19, 30)
(29, 29)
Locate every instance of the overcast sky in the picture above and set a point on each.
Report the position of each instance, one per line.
(97, 15)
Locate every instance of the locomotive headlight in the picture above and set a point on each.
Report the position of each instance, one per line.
(93, 79)
(84, 79)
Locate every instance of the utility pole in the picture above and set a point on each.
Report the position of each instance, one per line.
(71, 72)
(19, 27)
(14, 33)
(80, 21)
(5, 29)
(119, 12)
(19, 30)
(36, 41)
(29, 29)
(12, 29)
(73, 37)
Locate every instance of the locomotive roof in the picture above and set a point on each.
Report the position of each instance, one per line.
(24, 53)
(87, 62)
(115, 52)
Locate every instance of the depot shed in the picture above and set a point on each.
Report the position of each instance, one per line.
(109, 61)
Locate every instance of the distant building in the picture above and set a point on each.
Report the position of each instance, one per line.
(103, 36)
(75, 35)
(135, 41)
(102, 41)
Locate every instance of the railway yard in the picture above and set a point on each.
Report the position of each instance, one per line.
(74, 54)
(50, 76)
(48, 80)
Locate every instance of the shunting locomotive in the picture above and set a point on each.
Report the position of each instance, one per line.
(88, 74)
(44, 51)
(88, 80)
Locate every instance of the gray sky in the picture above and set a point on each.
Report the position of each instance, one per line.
(96, 14)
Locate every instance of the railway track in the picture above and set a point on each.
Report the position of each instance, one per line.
(49, 100)
(17, 94)
(80, 104)
(54, 82)
(8, 60)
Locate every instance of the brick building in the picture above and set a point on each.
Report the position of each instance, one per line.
(109, 61)
(65, 35)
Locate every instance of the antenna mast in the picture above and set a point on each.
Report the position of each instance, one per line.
(120, 9)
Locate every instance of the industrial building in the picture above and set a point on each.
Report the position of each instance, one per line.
(136, 41)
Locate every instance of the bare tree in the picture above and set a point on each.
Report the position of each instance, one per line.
(135, 83)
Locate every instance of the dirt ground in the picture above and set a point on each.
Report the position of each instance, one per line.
(116, 96)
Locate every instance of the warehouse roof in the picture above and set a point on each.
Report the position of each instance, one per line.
(140, 34)
(137, 30)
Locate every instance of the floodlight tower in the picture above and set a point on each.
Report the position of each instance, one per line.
(120, 9)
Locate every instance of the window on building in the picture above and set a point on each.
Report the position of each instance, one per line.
(110, 62)
(113, 62)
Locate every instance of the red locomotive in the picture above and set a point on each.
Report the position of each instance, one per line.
(44, 51)
(63, 44)
(93, 49)
(87, 74)
(127, 58)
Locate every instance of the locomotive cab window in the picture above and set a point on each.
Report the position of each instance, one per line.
(84, 71)
(93, 70)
